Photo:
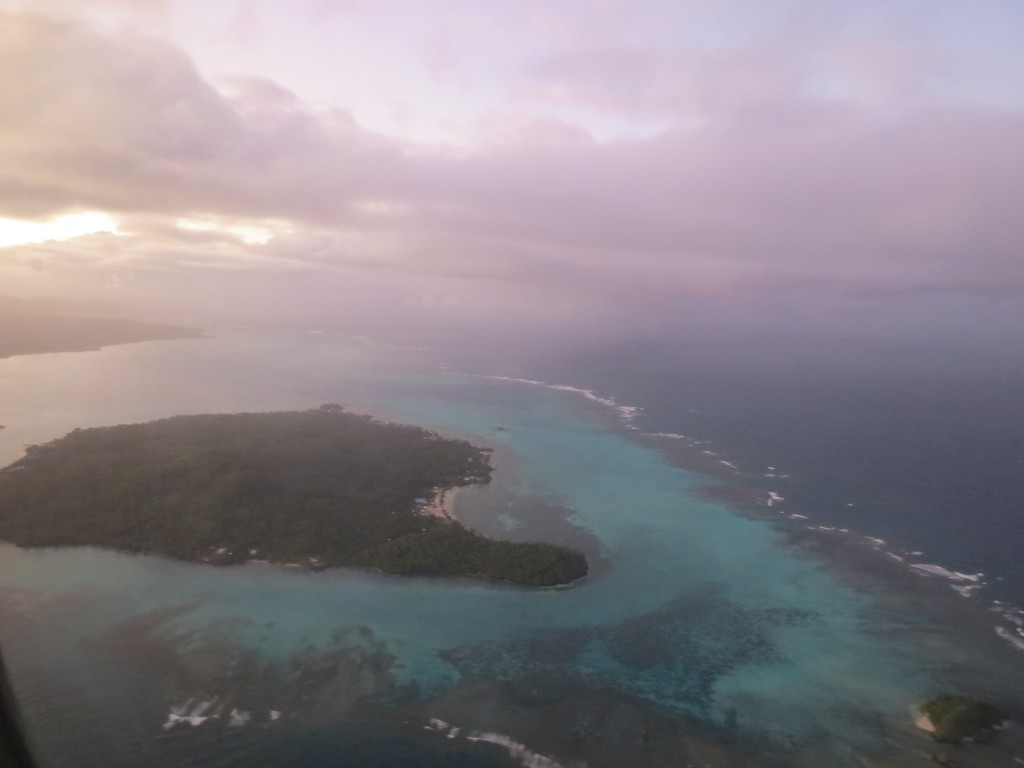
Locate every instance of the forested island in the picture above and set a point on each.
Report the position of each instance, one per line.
(317, 488)
(32, 327)
(959, 719)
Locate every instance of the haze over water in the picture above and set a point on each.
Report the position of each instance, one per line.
(734, 288)
(711, 630)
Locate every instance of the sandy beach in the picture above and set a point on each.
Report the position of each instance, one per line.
(924, 722)
(443, 504)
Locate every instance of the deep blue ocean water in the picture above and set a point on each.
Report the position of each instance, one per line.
(704, 635)
(920, 445)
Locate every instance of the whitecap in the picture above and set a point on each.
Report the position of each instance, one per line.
(435, 724)
(181, 714)
(938, 570)
(668, 435)
(520, 752)
(627, 413)
(238, 718)
(966, 589)
(1008, 636)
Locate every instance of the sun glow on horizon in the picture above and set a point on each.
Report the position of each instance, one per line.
(68, 226)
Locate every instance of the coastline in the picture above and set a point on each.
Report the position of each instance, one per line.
(922, 720)
(966, 641)
(442, 506)
(159, 332)
(756, 495)
(270, 599)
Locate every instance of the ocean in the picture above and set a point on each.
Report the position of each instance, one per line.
(921, 444)
(715, 629)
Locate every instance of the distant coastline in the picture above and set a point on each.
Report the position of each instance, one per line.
(26, 329)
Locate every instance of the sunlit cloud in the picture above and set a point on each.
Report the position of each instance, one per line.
(381, 207)
(249, 232)
(68, 226)
(607, 157)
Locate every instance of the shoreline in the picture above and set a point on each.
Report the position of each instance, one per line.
(921, 720)
(173, 333)
(752, 493)
(973, 638)
(442, 506)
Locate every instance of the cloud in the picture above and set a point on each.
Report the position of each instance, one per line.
(763, 182)
(113, 12)
(128, 123)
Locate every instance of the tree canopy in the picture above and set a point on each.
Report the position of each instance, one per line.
(323, 487)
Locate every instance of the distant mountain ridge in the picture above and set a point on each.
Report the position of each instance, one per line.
(33, 326)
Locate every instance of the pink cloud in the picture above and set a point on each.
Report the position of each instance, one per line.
(772, 186)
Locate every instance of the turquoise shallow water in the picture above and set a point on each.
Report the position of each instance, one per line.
(701, 613)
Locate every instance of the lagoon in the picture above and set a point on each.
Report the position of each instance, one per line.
(706, 635)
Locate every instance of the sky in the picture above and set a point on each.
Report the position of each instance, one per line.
(531, 162)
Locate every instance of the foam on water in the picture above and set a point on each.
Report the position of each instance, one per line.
(702, 611)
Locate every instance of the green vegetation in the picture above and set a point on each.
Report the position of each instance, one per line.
(32, 327)
(956, 718)
(451, 550)
(319, 488)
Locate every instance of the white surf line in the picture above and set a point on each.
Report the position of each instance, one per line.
(628, 413)
(526, 757)
(239, 717)
(965, 584)
(1012, 615)
(1010, 637)
(520, 752)
(196, 717)
(195, 711)
(938, 570)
